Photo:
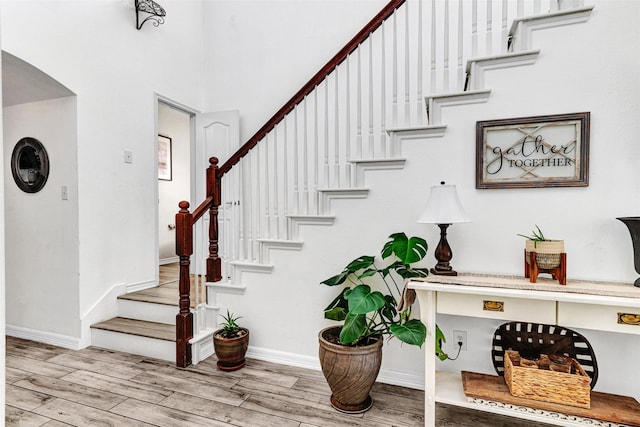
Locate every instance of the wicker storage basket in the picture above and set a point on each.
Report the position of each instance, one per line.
(545, 385)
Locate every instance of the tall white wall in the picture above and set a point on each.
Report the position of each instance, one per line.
(260, 53)
(585, 67)
(41, 228)
(2, 260)
(174, 124)
(94, 49)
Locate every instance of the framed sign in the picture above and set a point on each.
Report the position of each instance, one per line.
(541, 151)
(164, 158)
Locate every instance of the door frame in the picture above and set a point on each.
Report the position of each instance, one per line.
(161, 99)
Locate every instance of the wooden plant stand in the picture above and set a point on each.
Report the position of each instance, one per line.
(531, 269)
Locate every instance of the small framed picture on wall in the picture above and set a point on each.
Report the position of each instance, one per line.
(164, 158)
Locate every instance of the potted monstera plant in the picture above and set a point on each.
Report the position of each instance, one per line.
(367, 305)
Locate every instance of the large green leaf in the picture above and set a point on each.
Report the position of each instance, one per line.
(359, 263)
(354, 266)
(337, 313)
(407, 272)
(354, 327)
(412, 332)
(389, 310)
(337, 309)
(408, 250)
(338, 279)
(363, 301)
(367, 273)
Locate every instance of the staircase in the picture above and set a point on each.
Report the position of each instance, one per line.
(321, 145)
(146, 322)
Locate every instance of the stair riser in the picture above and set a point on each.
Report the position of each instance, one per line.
(160, 313)
(150, 347)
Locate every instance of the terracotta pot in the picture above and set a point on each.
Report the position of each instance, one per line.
(350, 371)
(230, 351)
(547, 252)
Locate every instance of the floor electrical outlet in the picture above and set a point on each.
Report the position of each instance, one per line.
(460, 337)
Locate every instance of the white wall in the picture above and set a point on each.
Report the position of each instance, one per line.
(94, 49)
(585, 67)
(41, 228)
(2, 260)
(260, 53)
(174, 124)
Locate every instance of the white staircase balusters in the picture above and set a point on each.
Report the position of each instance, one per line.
(322, 147)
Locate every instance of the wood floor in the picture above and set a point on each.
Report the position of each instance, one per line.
(50, 386)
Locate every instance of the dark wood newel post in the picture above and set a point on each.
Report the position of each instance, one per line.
(214, 263)
(184, 318)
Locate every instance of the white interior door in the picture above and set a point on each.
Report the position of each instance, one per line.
(217, 135)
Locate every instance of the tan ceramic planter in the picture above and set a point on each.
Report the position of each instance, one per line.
(547, 252)
(349, 371)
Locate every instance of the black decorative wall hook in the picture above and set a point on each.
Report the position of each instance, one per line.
(155, 11)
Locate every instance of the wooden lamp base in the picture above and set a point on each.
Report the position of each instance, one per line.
(531, 269)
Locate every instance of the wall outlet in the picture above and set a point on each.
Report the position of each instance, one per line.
(460, 337)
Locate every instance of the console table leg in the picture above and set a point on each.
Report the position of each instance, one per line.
(428, 317)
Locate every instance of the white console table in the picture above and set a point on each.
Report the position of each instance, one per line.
(579, 304)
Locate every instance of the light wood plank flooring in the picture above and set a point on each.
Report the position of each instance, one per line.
(50, 386)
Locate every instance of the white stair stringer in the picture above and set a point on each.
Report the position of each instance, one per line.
(327, 194)
(408, 133)
(240, 267)
(295, 221)
(204, 325)
(435, 103)
(477, 66)
(521, 32)
(266, 245)
(363, 165)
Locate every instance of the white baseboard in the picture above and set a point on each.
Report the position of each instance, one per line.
(64, 341)
(165, 261)
(402, 379)
(141, 286)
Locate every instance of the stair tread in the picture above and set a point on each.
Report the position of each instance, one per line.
(158, 295)
(166, 294)
(143, 328)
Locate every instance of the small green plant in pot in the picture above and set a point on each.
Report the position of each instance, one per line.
(230, 343)
(368, 314)
(547, 250)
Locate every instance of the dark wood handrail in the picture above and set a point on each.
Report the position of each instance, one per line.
(353, 44)
(202, 209)
(185, 219)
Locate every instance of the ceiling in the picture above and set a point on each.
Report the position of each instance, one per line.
(23, 83)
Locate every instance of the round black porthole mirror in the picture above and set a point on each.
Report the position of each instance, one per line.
(30, 165)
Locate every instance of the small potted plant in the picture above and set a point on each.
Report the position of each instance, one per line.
(230, 343)
(547, 251)
(351, 353)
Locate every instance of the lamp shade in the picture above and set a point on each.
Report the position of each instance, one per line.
(443, 206)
